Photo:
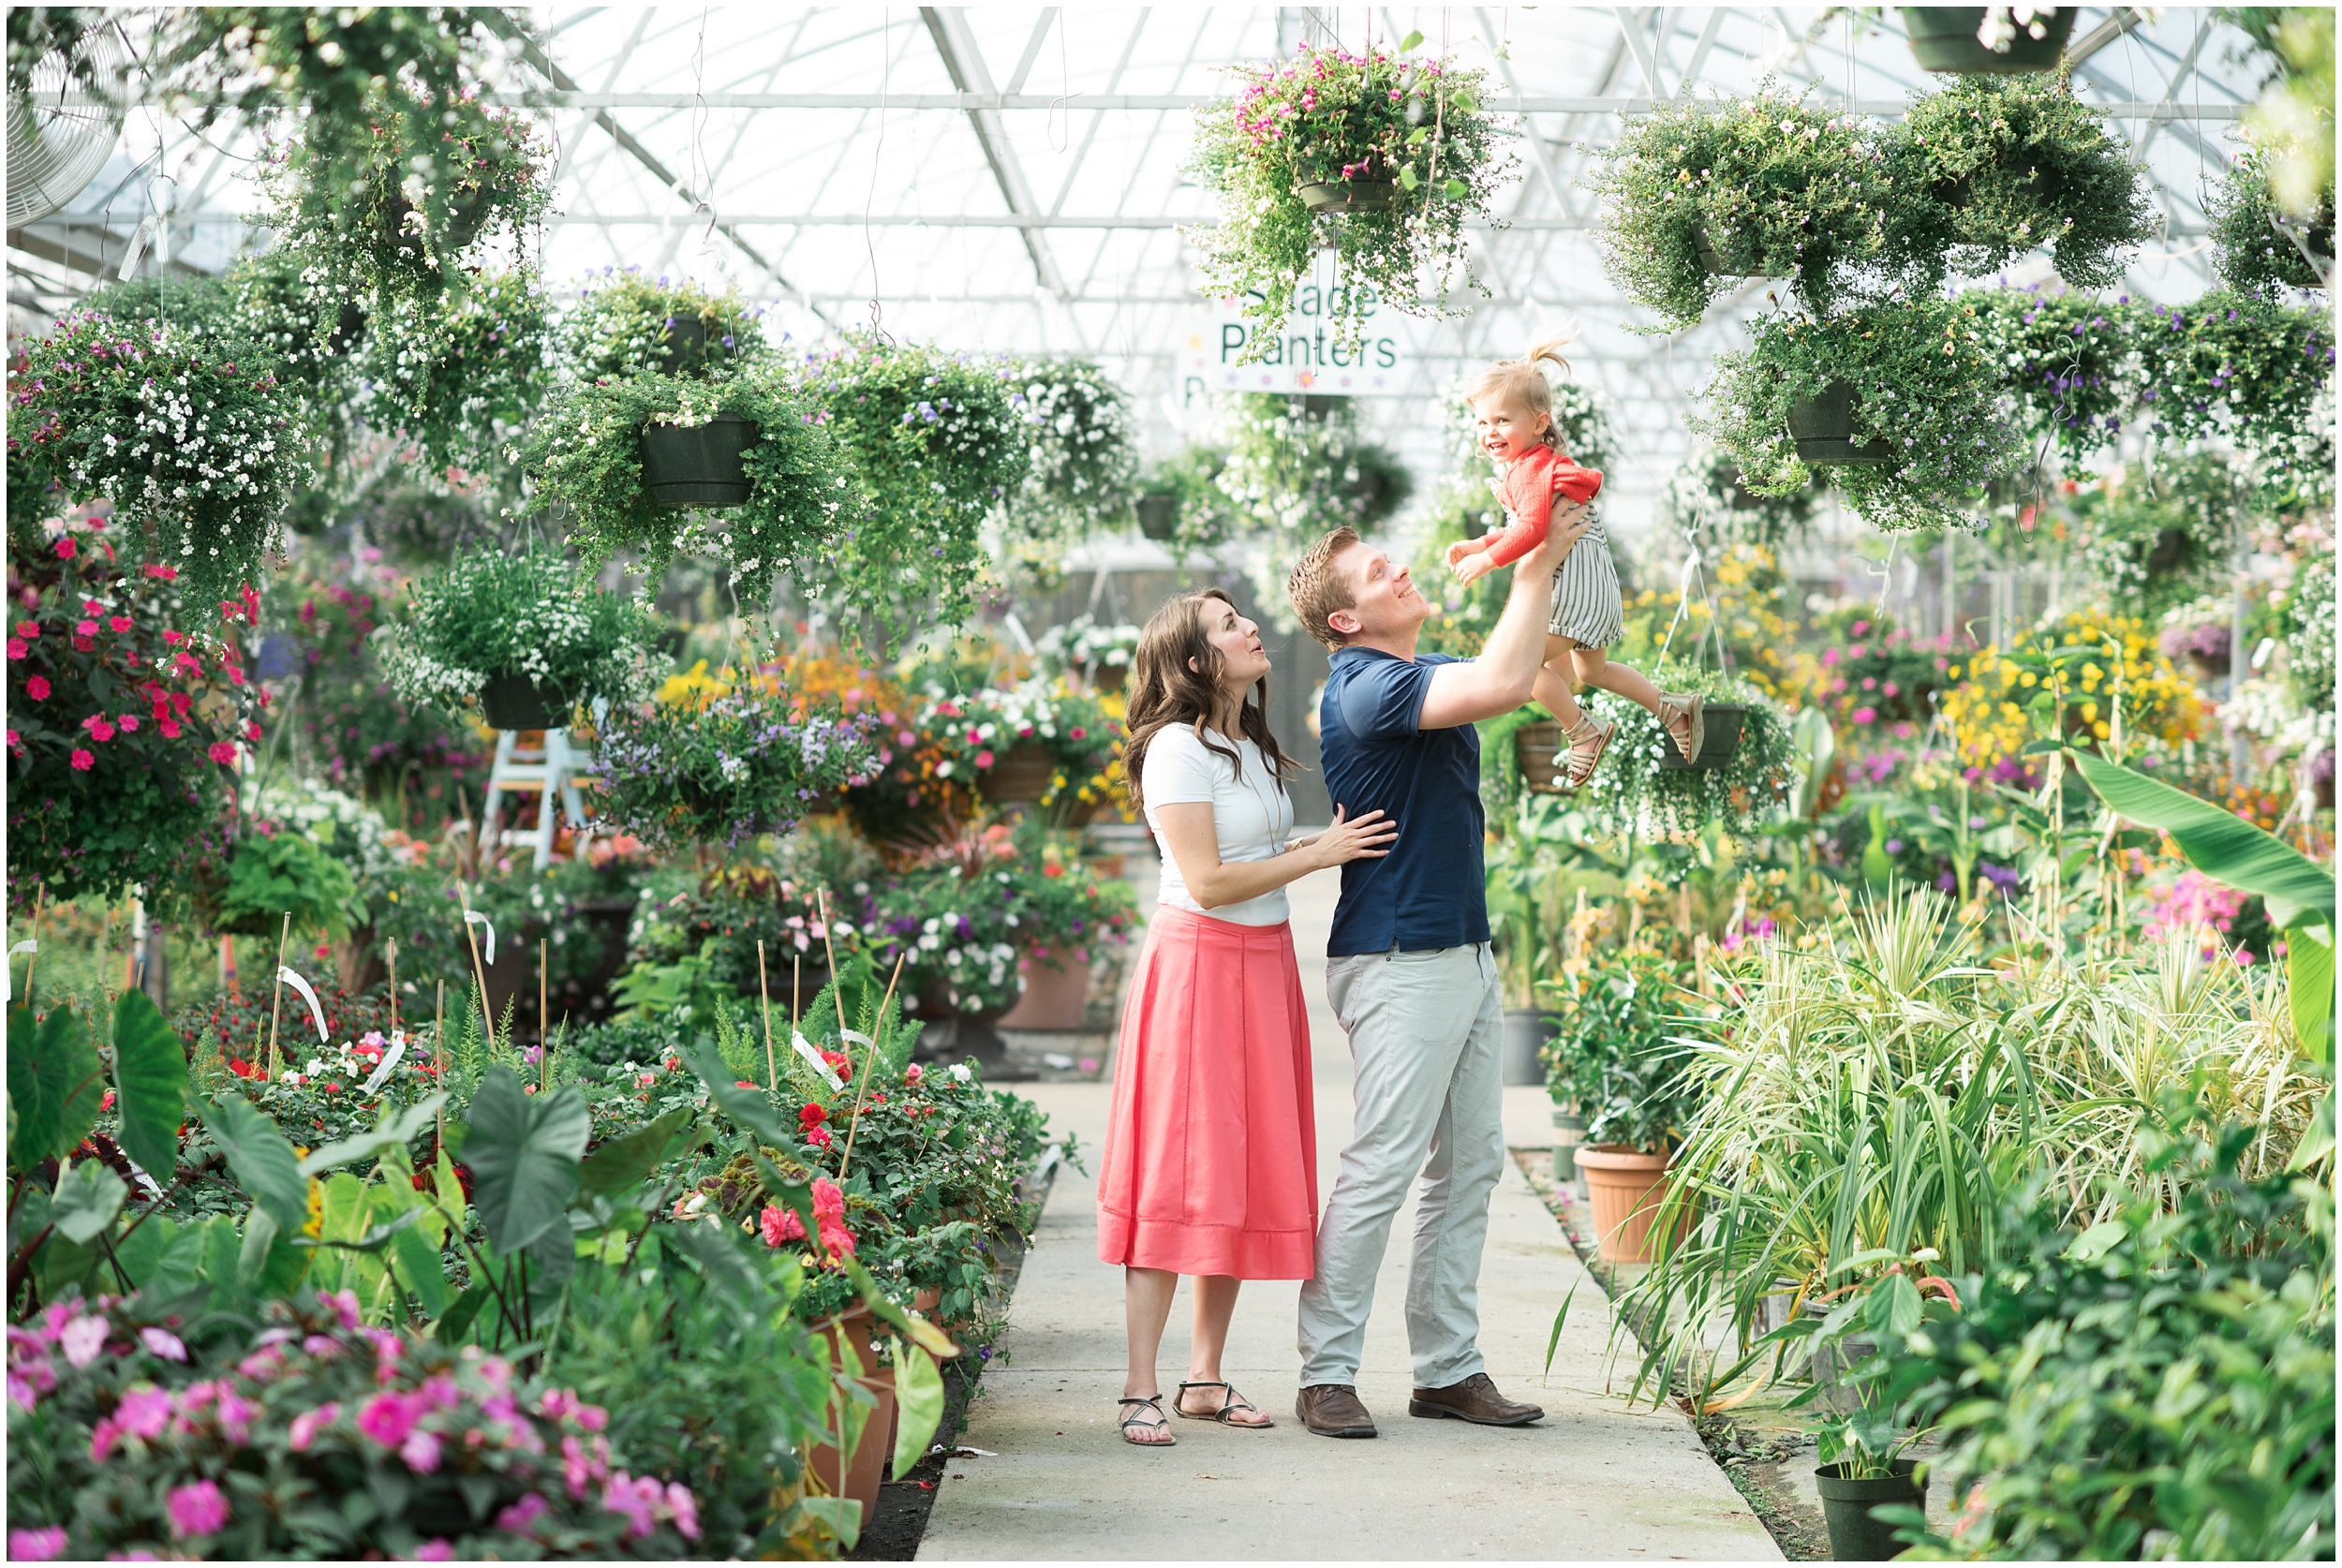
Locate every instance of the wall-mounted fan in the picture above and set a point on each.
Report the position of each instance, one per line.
(65, 115)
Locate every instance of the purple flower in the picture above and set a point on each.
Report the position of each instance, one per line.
(197, 1509)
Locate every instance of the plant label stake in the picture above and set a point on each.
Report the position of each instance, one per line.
(390, 948)
(545, 1035)
(764, 999)
(439, 1059)
(487, 1020)
(869, 1064)
(31, 947)
(837, 992)
(277, 999)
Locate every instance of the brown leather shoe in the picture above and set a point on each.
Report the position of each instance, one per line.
(1332, 1409)
(1476, 1399)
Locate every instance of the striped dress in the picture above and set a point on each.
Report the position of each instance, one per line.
(1588, 607)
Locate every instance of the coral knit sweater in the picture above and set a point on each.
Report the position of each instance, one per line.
(1532, 481)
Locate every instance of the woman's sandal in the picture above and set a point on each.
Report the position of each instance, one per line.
(1690, 709)
(1588, 739)
(1139, 1418)
(1235, 1401)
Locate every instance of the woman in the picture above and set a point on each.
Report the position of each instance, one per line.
(1211, 1162)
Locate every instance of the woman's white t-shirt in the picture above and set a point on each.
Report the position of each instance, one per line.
(1250, 811)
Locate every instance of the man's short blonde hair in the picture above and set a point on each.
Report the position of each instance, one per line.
(1317, 588)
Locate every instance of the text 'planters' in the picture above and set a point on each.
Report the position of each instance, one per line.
(698, 464)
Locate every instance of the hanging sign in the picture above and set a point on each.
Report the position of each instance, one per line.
(1305, 354)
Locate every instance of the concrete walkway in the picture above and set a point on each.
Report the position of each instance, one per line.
(1593, 1481)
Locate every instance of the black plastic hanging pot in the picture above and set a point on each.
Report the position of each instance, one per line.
(692, 342)
(1943, 38)
(1158, 514)
(517, 703)
(1349, 196)
(699, 465)
(1823, 429)
(1855, 1536)
(1720, 737)
(1717, 263)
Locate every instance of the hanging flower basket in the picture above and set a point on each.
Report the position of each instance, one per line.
(1349, 196)
(1945, 38)
(1721, 266)
(1823, 428)
(1022, 774)
(699, 465)
(514, 701)
(1719, 738)
(1541, 752)
(1158, 514)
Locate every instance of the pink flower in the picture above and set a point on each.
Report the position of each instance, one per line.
(686, 1509)
(520, 1515)
(118, 623)
(343, 1304)
(222, 752)
(17, 648)
(127, 723)
(28, 629)
(144, 1412)
(435, 1550)
(65, 550)
(421, 1451)
(163, 1342)
(780, 1225)
(262, 1363)
(99, 731)
(387, 1418)
(592, 1417)
(912, 1073)
(235, 1415)
(983, 759)
(83, 1339)
(638, 1500)
(305, 1424)
(170, 728)
(197, 1509)
(557, 1403)
(44, 1545)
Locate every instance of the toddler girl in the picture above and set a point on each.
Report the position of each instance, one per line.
(1512, 408)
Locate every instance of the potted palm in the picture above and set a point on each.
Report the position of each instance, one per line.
(1696, 196)
(1383, 156)
(527, 635)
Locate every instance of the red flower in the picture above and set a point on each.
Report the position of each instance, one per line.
(17, 648)
(812, 1115)
(222, 752)
(65, 550)
(37, 688)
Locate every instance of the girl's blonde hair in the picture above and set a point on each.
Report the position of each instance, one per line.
(1521, 378)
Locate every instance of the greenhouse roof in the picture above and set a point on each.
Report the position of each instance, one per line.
(1011, 179)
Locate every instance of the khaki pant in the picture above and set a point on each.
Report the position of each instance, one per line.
(1425, 1031)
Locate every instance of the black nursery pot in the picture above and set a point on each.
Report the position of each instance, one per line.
(1846, 1504)
(692, 343)
(517, 703)
(1823, 428)
(1158, 514)
(1349, 196)
(1943, 38)
(698, 464)
(1717, 263)
(1720, 739)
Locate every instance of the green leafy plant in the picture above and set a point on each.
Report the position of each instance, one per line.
(1615, 1057)
(2257, 246)
(458, 373)
(119, 726)
(585, 454)
(1696, 195)
(188, 434)
(1987, 168)
(1410, 130)
(625, 322)
(1924, 396)
(1708, 497)
(531, 614)
(933, 442)
(1083, 462)
(746, 762)
(1631, 786)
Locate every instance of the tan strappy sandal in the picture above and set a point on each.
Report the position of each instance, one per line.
(1589, 738)
(1690, 709)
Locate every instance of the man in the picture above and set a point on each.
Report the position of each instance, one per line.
(1410, 973)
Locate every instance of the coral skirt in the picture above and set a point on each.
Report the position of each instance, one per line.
(1211, 1153)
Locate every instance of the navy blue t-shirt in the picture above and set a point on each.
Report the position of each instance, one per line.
(1427, 891)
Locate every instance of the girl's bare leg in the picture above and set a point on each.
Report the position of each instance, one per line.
(1595, 669)
(1215, 1305)
(1552, 689)
(1146, 1308)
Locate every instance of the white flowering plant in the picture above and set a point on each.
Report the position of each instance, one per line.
(1080, 731)
(1400, 139)
(1082, 643)
(1632, 789)
(532, 615)
(934, 442)
(187, 432)
(584, 454)
(1925, 393)
(722, 766)
(1084, 469)
(1698, 195)
(959, 928)
(624, 321)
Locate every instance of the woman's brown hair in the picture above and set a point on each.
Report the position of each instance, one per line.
(1165, 691)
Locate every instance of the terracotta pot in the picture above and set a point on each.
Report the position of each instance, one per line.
(851, 1337)
(1719, 738)
(1539, 752)
(1022, 773)
(1943, 38)
(1054, 998)
(1624, 1189)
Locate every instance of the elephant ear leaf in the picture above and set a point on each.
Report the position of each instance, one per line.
(88, 1197)
(747, 1108)
(56, 1085)
(151, 1071)
(621, 1164)
(2218, 843)
(261, 1160)
(524, 1151)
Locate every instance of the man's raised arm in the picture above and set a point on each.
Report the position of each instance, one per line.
(1502, 678)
